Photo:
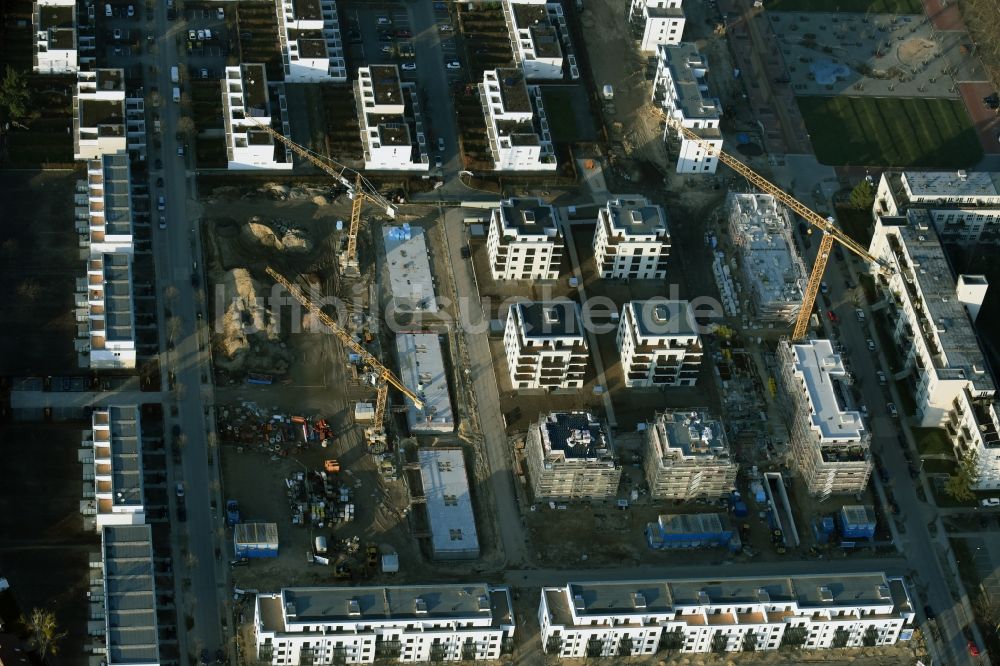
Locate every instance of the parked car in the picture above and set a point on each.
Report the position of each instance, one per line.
(232, 512)
(384, 36)
(824, 288)
(891, 408)
(871, 345)
(384, 20)
(973, 649)
(409, 66)
(180, 151)
(466, 252)
(453, 64)
(180, 490)
(403, 34)
(860, 314)
(220, 14)
(990, 502)
(881, 378)
(163, 221)
(161, 203)
(116, 34)
(130, 11)
(446, 27)
(201, 35)
(832, 316)
(437, 161)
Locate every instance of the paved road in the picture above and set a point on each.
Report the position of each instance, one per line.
(176, 251)
(69, 400)
(491, 425)
(432, 81)
(923, 551)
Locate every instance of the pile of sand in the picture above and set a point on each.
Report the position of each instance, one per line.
(246, 322)
(277, 235)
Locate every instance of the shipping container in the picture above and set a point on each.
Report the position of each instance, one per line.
(255, 540)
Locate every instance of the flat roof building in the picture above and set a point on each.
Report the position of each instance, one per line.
(99, 114)
(246, 105)
(973, 427)
(681, 89)
(312, 50)
(110, 312)
(930, 315)
(571, 456)
(608, 619)
(116, 438)
(687, 456)
(449, 504)
(415, 623)
(55, 49)
(408, 260)
(392, 125)
(129, 613)
(535, 37)
(656, 22)
(516, 124)
(110, 226)
(421, 367)
(771, 267)
(545, 345)
(829, 440)
(964, 206)
(524, 241)
(659, 344)
(689, 530)
(632, 240)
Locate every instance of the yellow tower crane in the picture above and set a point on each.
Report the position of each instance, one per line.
(831, 232)
(385, 376)
(360, 191)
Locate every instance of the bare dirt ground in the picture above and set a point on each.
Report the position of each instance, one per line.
(39, 261)
(45, 552)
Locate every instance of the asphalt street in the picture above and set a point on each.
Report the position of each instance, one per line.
(177, 260)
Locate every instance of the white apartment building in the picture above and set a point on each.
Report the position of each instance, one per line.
(534, 37)
(772, 269)
(524, 241)
(312, 50)
(658, 343)
(571, 456)
(108, 218)
(681, 89)
(973, 426)
(516, 125)
(245, 95)
(656, 23)
(99, 114)
(124, 600)
(545, 346)
(356, 625)
(642, 617)
(56, 50)
(829, 440)
(931, 316)
(392, 125)
(964, 207)
(116, 439)
(687, 456)
(632, 240)
(110, 313)
(421, 367)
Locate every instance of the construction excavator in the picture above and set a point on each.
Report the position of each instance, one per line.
(360, 191)
(831, 233)
(375, 435)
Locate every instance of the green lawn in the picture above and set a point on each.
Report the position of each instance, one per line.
(885, 132)
(939, 466)
(567, 122)
(931, 441)
(877, 6)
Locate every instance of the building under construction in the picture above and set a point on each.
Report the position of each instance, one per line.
(571, 457)
(773, 275)
(687, 457)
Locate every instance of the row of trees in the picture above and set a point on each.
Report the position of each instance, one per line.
(14, 96)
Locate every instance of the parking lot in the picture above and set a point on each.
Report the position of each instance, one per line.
(122, 34)
(208, 40)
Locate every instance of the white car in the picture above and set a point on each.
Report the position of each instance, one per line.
(192, 35)
(446, 27)
(384, 20)
(201, 34)
(220, 13)
(881, 378)
(871, 345)
(163, 222)
(441, 144)
(130, 11)
(180, 490)
(860, 314)
(453, 64)
(409, 66)
(990, 502)
(161, 203)
(117, 34)
(891, 408)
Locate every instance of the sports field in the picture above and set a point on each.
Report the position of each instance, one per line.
(890, 132)
(875, 6)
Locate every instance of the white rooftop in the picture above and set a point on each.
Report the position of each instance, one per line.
(818, 367)
(951, 184)
(409, 265)
(421, 367)
(449, 504)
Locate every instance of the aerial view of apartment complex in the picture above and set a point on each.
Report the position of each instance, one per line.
(520, 332)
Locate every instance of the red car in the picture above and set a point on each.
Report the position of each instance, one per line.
(832, 316)
(973, 649)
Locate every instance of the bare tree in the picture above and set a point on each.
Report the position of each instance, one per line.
(174, 325)
(185, 126)
(171, 293)
(44, 631)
